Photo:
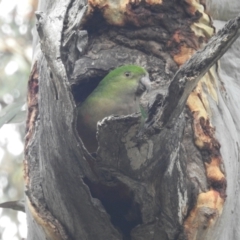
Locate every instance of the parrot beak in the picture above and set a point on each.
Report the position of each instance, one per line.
(144, 84)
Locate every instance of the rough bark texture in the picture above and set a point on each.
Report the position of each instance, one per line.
(164, 180)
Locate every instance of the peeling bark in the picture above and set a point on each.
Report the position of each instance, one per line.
(163, 180)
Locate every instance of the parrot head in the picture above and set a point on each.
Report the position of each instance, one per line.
(126, 79)
(118, 93)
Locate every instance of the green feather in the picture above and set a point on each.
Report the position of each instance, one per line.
(115, 94)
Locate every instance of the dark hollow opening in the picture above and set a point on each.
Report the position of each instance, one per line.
(119, 203)
(83, 90)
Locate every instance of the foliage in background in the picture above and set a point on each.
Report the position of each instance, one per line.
(16, 23)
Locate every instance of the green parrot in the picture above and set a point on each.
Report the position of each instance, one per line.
(117, 94)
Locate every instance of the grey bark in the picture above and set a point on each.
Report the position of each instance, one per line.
(144, 180)
(227, 130)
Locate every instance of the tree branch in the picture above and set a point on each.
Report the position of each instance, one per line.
(188, 76)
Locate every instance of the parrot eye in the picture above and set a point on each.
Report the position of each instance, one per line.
(127, 74)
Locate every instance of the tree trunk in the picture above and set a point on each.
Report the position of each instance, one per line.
(174, 178)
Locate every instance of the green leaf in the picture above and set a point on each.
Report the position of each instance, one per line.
(19, 117)
(10, 113)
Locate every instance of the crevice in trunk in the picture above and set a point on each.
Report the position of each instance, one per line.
(118, 201)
